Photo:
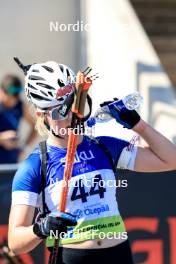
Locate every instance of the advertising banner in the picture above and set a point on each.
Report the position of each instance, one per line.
(146, 202)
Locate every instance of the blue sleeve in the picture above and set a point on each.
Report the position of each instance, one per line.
(27, 182)
(114, 146)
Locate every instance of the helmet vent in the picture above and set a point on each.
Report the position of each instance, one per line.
(47, 68)
(44, 93)
(68, 74)
(61, 84)
(35, 70)
(38, 97)
(36, 78)
(29, 85)
(44, 85)
(61, 68)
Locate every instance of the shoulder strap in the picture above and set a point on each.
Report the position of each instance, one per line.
(123, 160)
(43, 158)
(107, 152)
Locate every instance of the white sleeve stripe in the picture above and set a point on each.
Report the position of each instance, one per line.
(24, 197)
(131, 163)
(127, 158)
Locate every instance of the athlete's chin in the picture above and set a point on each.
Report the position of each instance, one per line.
(65, 135)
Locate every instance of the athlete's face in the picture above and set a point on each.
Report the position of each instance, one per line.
(60, 127)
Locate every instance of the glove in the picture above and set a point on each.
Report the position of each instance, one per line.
(56, 221)
(127, 118)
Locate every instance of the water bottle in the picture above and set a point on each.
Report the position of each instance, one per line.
(132, 101)
(102, 115)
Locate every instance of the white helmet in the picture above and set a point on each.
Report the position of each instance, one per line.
(49, 84)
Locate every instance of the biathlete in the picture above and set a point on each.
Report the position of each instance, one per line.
(92, 213)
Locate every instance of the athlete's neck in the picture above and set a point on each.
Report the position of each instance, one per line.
(61, 142)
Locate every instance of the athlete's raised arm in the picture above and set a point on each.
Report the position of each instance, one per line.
(159, 153)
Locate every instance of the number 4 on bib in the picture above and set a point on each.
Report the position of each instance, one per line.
(79, 191)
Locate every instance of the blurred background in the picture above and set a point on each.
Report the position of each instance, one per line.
(131, 44)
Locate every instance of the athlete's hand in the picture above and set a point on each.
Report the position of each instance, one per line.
(55, 222)
(127, 118)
